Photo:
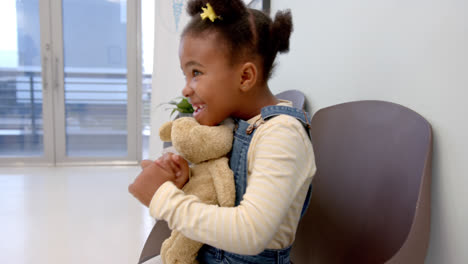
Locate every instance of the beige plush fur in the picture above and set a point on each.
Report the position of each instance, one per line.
(211, 178)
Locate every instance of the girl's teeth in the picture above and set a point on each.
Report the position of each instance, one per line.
(197, 108)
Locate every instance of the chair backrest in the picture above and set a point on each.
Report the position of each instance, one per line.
(296, 97)
(371, 194)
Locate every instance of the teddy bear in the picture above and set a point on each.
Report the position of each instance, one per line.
(211, 179)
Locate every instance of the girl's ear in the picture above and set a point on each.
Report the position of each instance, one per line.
(249, 74)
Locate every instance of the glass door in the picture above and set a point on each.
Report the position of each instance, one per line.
(70, 82)
(25, 129)
(96, 118)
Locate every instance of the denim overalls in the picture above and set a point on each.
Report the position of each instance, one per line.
(238, 163)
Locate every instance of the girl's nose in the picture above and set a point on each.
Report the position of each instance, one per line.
(187, 91)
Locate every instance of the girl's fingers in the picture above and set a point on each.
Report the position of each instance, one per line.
(145, 163)
(184, 171)
(181, 163)
(162, 162)
(171, 164)
(177, 166)
(167, 163)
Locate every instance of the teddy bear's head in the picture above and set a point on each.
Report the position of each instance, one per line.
(195, 142)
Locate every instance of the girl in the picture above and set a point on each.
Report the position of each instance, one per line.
(227, 53)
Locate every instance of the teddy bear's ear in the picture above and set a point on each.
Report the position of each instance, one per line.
(165, 132)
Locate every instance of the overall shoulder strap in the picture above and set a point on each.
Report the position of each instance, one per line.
(275, 110)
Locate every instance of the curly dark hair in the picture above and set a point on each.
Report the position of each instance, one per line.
(246, 32)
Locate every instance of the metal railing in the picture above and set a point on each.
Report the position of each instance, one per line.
(21, 98)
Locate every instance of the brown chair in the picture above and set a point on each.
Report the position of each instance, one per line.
(153, 243)
(161, 230)
(371, 194)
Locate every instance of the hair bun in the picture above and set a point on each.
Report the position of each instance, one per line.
(281, 30)
(228, 10)
(194, 7)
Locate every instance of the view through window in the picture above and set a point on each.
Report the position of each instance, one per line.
(21, 121)
(95, 81)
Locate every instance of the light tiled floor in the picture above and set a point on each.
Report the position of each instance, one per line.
(70, 215)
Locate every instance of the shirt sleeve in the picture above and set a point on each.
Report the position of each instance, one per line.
(282, 163)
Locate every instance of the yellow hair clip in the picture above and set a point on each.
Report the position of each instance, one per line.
(209, 13)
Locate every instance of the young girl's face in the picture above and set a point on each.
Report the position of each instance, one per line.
(212, 83)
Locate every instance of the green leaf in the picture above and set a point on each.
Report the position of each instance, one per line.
(184, 104)
(178, 104)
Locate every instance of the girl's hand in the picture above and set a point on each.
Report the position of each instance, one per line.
(172, 162)
(156, 173)
(178, 166)
(145, 163)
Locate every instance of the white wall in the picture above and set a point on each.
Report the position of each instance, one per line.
(414, 53)
(168, 80)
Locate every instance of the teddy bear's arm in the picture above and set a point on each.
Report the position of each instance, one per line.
(165, 131)
(223, 179)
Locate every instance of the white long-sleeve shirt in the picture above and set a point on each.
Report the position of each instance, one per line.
(281, 165)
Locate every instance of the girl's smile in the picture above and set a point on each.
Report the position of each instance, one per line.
(197, 110)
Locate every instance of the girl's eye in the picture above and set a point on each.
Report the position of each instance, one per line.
(195, 73)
